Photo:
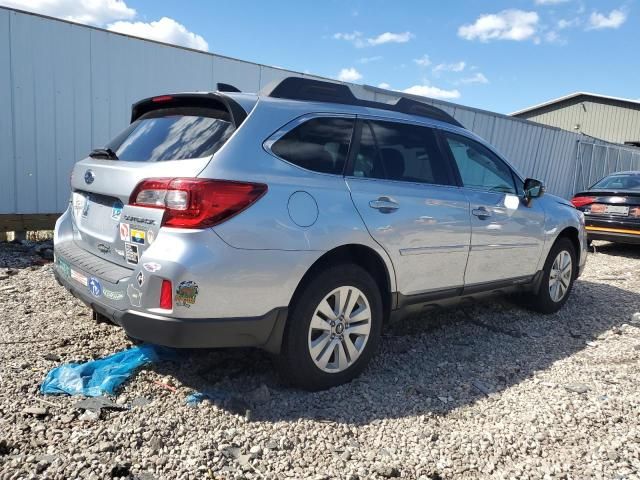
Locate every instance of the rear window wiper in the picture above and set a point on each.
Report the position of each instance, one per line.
(103, 153)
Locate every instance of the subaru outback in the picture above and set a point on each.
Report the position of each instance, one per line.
(300, 220)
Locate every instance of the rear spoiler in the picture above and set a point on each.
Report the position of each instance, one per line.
(214, 100)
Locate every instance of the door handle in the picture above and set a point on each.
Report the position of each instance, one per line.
(481, 212)
(384, 205)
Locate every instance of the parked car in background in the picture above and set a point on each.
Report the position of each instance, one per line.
(300, 221)
(612, 208)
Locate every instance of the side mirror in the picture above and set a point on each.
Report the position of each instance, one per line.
(533, 189)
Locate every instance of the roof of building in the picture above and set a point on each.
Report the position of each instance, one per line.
(573, 96)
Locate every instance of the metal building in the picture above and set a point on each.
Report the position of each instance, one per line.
(66, 88)
(611, 119)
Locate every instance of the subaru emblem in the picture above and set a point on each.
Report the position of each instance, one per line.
(89, 177)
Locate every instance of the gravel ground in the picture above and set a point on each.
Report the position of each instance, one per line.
(482, 391)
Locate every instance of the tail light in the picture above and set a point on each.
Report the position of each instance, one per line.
(162, 98)
(582, 201)
(166, 293)
(196, 202)
(634, 212)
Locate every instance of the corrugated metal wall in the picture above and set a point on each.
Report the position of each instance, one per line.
(598, 158)
(608, 120)
(67, 88)
(537, 151)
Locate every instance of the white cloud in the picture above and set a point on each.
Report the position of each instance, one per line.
(550, 2)
(384, 85)
(568, 23)
(116, 15)
(349, 75)
(615, 19)
(370, 59)
(360, 41)
(388, 37)
(553, 37)
(450, 67)
(478, 78)
(93, 12)
(432, 92)
(515, 25)
(423, 61)
(347, 36)
(164, 30)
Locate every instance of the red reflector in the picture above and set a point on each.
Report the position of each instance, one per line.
(162, 98)
(196, 202)
(582, 201)
(166, 292)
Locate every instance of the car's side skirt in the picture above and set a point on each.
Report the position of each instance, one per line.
(407, 304)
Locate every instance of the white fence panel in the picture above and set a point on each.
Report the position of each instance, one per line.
(7, 134)
(243, 75)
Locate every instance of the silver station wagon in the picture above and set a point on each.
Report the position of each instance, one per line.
(300, 220)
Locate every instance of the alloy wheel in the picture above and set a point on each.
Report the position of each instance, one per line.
(339, 329)
(560, 276)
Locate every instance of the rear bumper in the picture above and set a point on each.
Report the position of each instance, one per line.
(263, 331)
(614, 236)
(612, 231)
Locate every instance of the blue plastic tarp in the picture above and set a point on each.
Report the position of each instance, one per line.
(102, 376)
(214, 396)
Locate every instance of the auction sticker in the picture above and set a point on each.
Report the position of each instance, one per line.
(152, 267)
(78, 277)
(135, 296)
(116, 210)
(94, 287)
(124, 232)
(131, 253)
(112, 295)
(186, 293)
(137, 236)
(64, 267)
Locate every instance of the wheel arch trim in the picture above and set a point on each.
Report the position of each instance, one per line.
(371, 259)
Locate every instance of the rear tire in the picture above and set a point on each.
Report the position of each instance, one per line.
(559, 273)
(333, 328)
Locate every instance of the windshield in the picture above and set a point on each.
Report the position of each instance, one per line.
(173, 134)
(619, 182)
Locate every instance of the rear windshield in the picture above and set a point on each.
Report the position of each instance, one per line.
(173, 134)
(619, 182)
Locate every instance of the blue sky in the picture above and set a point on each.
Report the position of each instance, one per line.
(491, 54)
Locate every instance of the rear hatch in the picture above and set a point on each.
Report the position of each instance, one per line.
(170, 136)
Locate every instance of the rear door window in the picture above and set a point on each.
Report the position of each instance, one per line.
(320, 144)
(173, 134)
(401, 152)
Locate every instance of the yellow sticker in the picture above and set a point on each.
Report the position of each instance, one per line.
(137, 236)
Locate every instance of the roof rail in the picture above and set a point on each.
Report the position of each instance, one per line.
(307, 89)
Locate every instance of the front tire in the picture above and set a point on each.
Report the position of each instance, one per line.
(558, 276)
(333, 328)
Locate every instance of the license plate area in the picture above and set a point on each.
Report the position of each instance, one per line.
(617, 210)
